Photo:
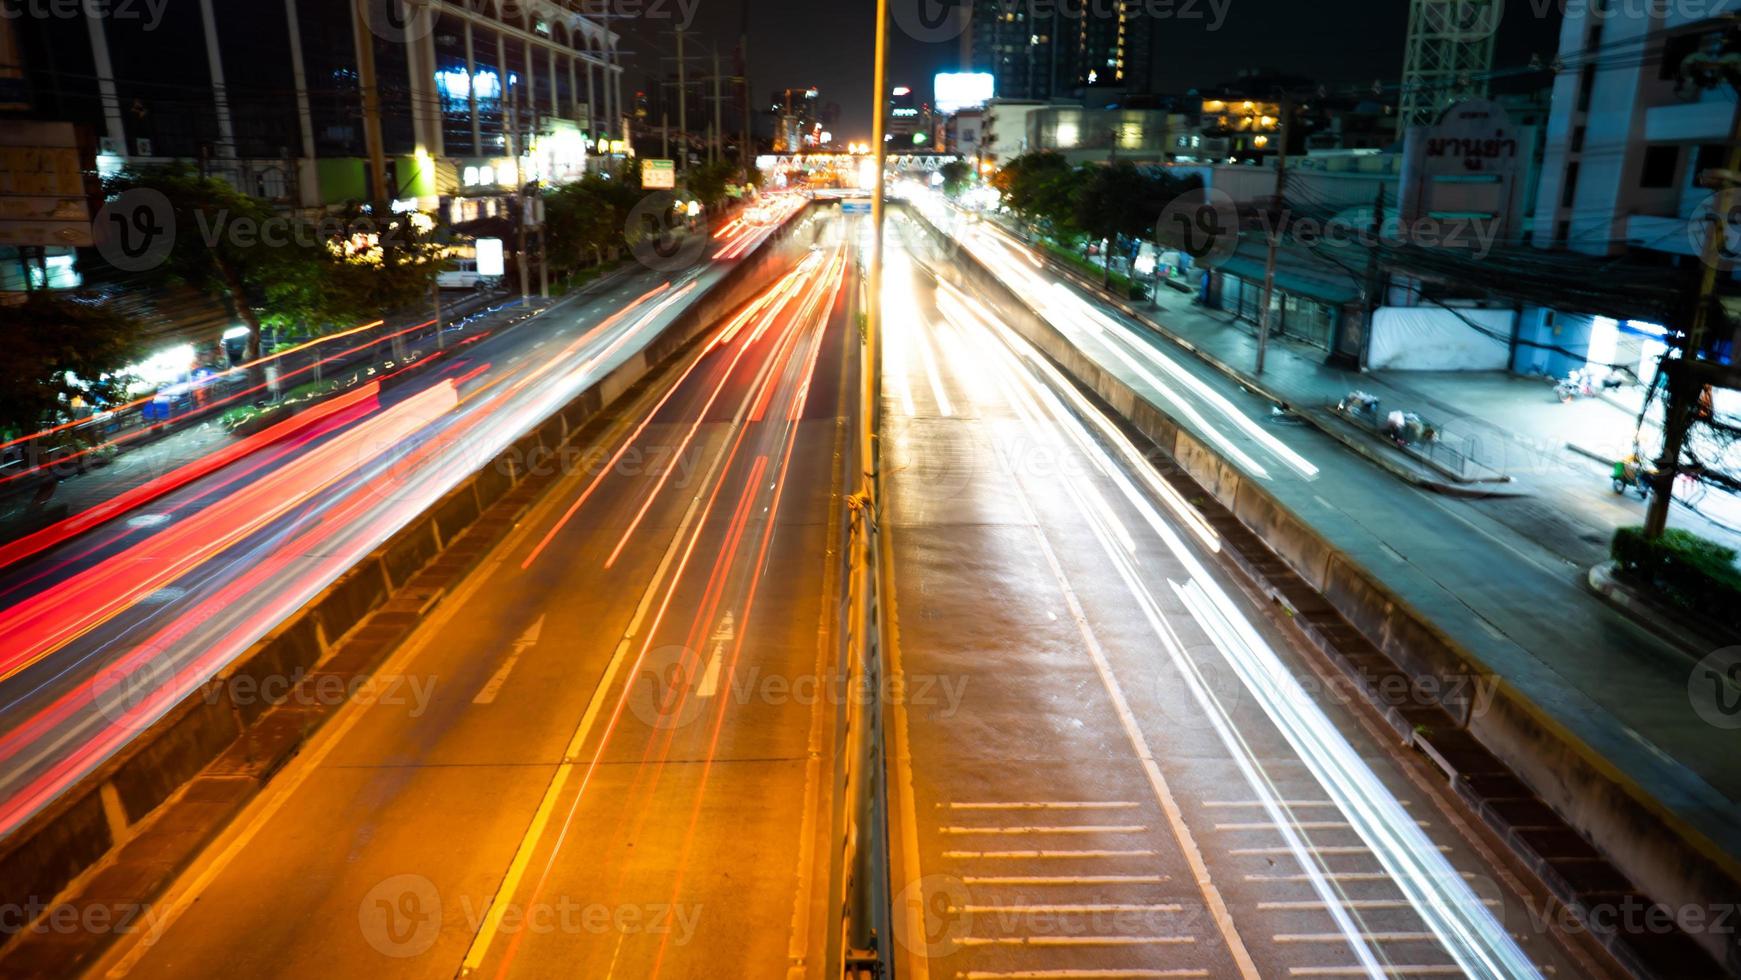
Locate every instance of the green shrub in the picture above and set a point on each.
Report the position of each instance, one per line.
(1685, 571)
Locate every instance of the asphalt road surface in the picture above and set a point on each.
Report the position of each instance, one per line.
(106, 630)
(609, 749)
(1107, 761)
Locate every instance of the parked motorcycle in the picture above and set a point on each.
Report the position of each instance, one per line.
(1631, 474)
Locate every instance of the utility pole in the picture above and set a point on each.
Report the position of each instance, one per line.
(1683, 384)
(371, 109)
(1277, 209)
(1374, 284)
(519, 194)
(716, 149)
(744, 55)
(682, 104)
(435, 293)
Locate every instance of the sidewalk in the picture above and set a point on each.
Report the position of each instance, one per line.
(1503, 576)
(1556, 496)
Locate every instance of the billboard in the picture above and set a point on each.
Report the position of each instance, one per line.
(964, 90)
(490, 257)
(658, 174)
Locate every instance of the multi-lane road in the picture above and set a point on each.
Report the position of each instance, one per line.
(105, 629)
(613, 748)
(1108, 761)
(625, 742)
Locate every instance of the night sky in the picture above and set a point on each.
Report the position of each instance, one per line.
(828, 43)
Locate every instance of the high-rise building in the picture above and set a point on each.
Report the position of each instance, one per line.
(1041, 51)
(1016, 44)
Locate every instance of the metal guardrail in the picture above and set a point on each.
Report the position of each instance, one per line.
(859, 870)
(1455, 456)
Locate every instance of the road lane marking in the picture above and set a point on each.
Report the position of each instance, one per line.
(1068, 909)
(727, 631)
(1074, 941)
(1342, 937)
(1338, 876)
(1353, 903)
(975, 855)
(1059, 829)
(1069, 974)
(546, 808)
(1039, 806)
(1064, 879)
(1139, 744)
(527, 641)
(1316, 849)
(1389, 971)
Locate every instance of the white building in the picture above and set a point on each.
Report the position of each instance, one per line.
(1003, 136)
(1631, 128)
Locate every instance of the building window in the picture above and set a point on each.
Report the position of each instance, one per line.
(1562, 232)
(1586, 83)
(1675, 51)
(1570, 190)
(1661, 165)
(1578, 139)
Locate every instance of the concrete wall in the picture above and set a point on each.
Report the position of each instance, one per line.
(1667, 859)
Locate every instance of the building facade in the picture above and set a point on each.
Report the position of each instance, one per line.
(1048, 51)
(271, 97)
(1633, 122)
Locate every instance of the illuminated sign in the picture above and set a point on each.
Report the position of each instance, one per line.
(490, 262)
(964, 90)
(658, 174)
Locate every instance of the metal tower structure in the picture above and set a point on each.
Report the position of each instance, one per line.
(1450, 52)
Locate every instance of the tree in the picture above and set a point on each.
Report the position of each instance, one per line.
(217, 247)
(1112, 201)
(59, 348)
(957, 175)
(1039, 187)
(279, 269)
(586, 219)
(708, 182)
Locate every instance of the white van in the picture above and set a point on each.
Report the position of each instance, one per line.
(463, 275)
